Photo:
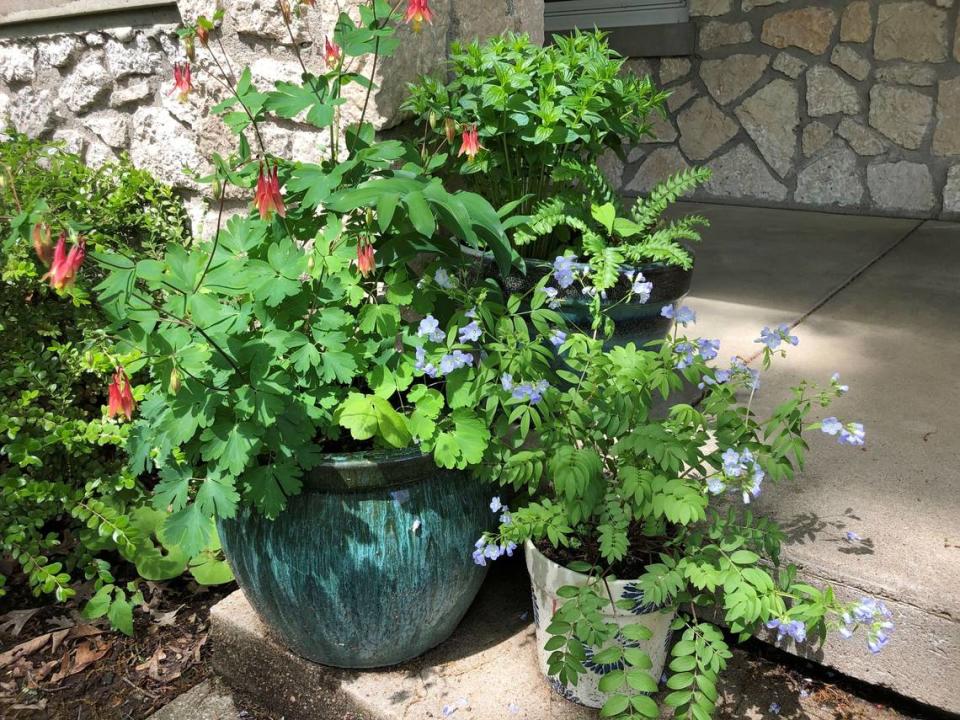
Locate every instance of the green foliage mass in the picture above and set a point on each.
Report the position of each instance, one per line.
(68, 507)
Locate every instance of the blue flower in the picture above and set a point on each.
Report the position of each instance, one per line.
(775, 708)
(835, 381)
(509, 548)
(507, 382)
(430, 327)
(739, 368)
(732, 464)
(715, 485)
(563, 271)
(773, 338)
(470, 332)
(708, 348)
(876, 642)
(639, 286)
(532, 392)
(831, 426)
(852, 537)
(684, 316)
(495, 504)
(558, 337)
(442, 278)
(794, 628)
(552, 297)
(421, 364)
(471, 313)
(687, 352)
(506, 518)
(853, 434)
(454, 361)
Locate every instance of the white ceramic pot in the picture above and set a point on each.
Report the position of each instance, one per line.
(547, 577)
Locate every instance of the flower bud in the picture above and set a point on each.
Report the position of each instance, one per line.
(311, 263)
(433, 119)
(174, 381)
(369, 215)
(189, 48)
(450, 129)
(203, 35)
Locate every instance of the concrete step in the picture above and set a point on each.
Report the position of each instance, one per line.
(894, 335)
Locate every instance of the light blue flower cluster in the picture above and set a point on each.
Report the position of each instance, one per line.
(470, 332)
(558, 337)
(852, 434)
(793, 628)
(553, 301)
(442, 278)
(421, 364)
(430, 328)
(639, 285)
(484, 548)
(454, 361)
(688, 352)
(773, 338)
(531, 392)
(564, 271)
(738, 368)
(684, 315)
(742, 467)
(872, 612)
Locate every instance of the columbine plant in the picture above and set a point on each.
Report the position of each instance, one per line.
(534, 123)
(335, 317)
(618, 488)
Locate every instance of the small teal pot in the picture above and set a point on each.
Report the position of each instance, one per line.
(370, 565)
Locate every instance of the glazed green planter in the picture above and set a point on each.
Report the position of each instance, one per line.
(370, 566)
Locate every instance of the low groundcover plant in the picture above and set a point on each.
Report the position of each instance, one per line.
(619, 490)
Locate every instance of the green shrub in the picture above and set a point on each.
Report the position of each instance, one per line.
(69, 511)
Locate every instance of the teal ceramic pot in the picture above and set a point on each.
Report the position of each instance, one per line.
(370, 565)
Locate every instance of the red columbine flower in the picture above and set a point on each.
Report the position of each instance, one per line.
(471, 142)
(418, 12)
(332, 53)
(181, 81)
(203, 35)
(64, 266)
(121, 395)
(267, 198)
(366, 263)
(42, 244)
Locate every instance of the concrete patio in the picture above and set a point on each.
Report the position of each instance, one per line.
(872, 298)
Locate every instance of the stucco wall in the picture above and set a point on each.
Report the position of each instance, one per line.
(849, 106)
(107, 90)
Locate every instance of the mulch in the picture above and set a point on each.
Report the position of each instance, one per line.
(57, 665)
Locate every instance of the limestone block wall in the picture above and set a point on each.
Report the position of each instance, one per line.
(107, 90)
(845, 106)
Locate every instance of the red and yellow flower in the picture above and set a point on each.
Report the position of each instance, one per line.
(366, 263)
(470, 142)
(418, 13)
(120, 395)
(267, 197)
(182, 83)
(331, 53)
(64, 265)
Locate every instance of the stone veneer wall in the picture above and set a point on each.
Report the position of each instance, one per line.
(106, 92)
(847, 106)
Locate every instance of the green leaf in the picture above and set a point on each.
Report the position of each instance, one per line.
(744, 557)
(209, 568)
(645, 706)
(120, 613)
(615, 705)
(189, 529)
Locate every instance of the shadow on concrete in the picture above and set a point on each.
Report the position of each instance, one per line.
(809, 527)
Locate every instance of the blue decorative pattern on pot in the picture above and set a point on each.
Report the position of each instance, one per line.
(370, 565)
(547, 577)
(593, 667)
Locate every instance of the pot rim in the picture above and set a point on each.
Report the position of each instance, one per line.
(362, 459)
(572, 577)
(547, 265)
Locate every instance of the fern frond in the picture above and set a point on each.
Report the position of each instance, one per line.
(591, 180)
(647, 211)
(547, 217)
(662, 246)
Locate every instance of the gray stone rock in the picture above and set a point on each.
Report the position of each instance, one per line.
(704, 129)
(910, 31)
(662, 129)
(956, 40)
(789, 65)
(673, 69)
(951, 192)
(94, 39)
(85, 84)
(771, 116)
(659, 164)
(749, 5)
(58, 51)
(98, 154)
(816, 135)
(110, 125)
(123, 34)
(943, 3)
(124, 60)
(710, 8)
(946, 138)
(32, 111)
(862, 139)
(831, 178)
(741, 174)
(808, 28)
(901, 186)
(73, 141)
(717, 34)
(828, 93)
(851, 62)
(17, 63)
(907, 74)
(130, 93)
(902, 114)
(160, 144)
(679, 96)
(731, 77)
(856, 23)
(266, 72)
(639, 67)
